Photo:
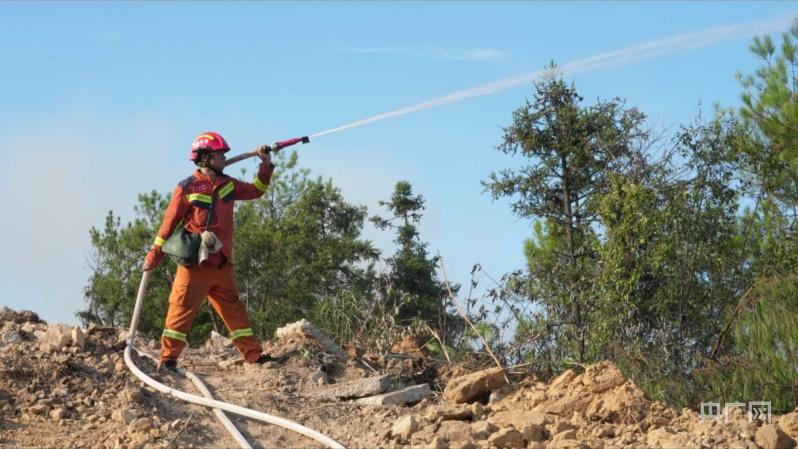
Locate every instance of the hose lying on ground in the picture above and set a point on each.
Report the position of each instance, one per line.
(209, 401)
(242, 442)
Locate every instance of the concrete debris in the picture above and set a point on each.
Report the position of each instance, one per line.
(408, 395)
(357, 388)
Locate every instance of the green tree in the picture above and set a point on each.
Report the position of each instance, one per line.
(756, 354)
(569, 150)
(670, 261)
(412, 269)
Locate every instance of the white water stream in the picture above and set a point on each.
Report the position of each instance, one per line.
(629, 55)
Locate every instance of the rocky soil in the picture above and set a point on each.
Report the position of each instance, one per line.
(64, 387)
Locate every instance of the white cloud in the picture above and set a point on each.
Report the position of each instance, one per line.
(479, 54)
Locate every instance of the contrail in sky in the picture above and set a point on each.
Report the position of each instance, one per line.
(686, 41)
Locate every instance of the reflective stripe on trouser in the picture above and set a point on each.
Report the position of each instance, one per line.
(190, 287)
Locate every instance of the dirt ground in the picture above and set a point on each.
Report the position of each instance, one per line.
(80, 394)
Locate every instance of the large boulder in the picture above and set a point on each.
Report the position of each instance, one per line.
(474, 386)
(770, 436)
(60, 335)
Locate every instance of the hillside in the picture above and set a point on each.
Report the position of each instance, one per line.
(70, 388)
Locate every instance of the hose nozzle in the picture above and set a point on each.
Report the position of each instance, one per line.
(288, 142)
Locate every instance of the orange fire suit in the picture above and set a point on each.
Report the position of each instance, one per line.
(214, 278)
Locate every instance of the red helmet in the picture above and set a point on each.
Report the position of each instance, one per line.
(208, 141)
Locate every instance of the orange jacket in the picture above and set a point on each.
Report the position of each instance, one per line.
(192, 199)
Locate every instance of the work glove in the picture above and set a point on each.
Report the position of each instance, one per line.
(153, 259)
(265, 154)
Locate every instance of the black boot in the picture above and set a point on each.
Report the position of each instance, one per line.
(169, 364)
(268, 358)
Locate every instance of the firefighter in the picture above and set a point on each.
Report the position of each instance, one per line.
(208, 189)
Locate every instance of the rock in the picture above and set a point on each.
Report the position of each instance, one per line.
(569, 434)
(30, 327)
(561, 381)
(789, 424)
(131, 395)
(518, 418)
(474, 386)
(404, 427)
(454, 431)
(140, 425)
(437, 443)
(533, 432)
(22, 316)
(38, 409)
(663, 436)
(217, 340)
(10, 337)
(602, 377)
(406, 396)
(7, 314)
(560, 426)
(423, 435)
(477, 410)
(318, 378)
(770, 436)
(231, 363)
(481, 430)
(357, 388)
(448, 412)
(463, 445)
(125, 415)
(58, 413)
(59, 335)
(604, 432)
(408, 345)
(121, 339)
(304, 329)
(78, 337)
(574, 444)
(507, 438)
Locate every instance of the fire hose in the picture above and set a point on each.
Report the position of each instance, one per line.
(218, 407)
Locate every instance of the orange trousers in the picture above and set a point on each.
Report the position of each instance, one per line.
(190, 287)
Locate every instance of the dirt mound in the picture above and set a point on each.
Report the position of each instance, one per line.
(63, 387)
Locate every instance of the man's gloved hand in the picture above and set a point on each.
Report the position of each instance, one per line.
(265, 154)
(153, 258)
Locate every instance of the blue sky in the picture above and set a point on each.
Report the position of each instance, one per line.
(100, 101)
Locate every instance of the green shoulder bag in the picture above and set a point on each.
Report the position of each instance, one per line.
(183, 246)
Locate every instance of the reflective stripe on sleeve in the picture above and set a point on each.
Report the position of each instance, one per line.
(259, 184)
(159, 241)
